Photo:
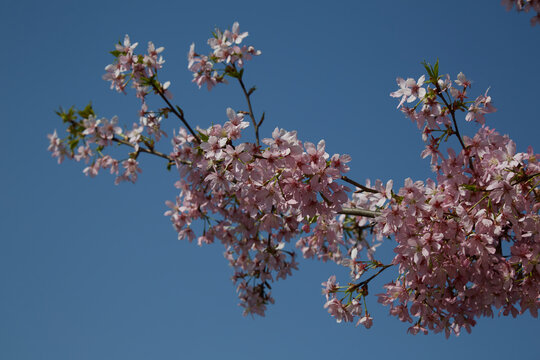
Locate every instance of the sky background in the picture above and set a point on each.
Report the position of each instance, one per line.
(90, 270)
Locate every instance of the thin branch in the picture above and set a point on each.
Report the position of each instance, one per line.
(364, 188)
(141, 149)
(359, 212)
(451, 109)
(365, 282)
(144, 150)
(178, 114)
(452, 112)
(251, 115)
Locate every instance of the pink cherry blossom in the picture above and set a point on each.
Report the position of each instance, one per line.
(409, 90)
(57, 147)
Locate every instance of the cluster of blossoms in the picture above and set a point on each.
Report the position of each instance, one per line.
(466, 242)
(87, 139)
(526, 6)
(140, 70)
(226, 50)
(470, 240)
(255, 200)
(88, 136)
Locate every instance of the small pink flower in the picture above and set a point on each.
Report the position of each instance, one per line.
(330, 286)
(462, 80)
(409, 90)
(367, 321)
(234, 36)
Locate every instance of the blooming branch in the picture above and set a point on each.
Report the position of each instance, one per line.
(466, 242)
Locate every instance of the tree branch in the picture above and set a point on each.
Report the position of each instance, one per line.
(178, 114)
(359, 212)
(251, 115)
(364, 188)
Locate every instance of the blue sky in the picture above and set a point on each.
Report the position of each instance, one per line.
(90, 270)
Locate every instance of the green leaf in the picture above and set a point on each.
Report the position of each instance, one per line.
(146, 81)
(115, 53)
(66, 116)
(433, 71)
(470, 187)
(428, 69)
(87, 111)
(232, 73)
(203, 137)
(399, 199)
(73, 144)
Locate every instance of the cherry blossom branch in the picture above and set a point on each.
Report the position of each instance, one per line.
(452, 113)
(359, 212)
(434, 79)
(247, 94)
(363, 187)
(242, 186)
(180, 114)
(144, 150)
(140, 149)
(365, 282)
